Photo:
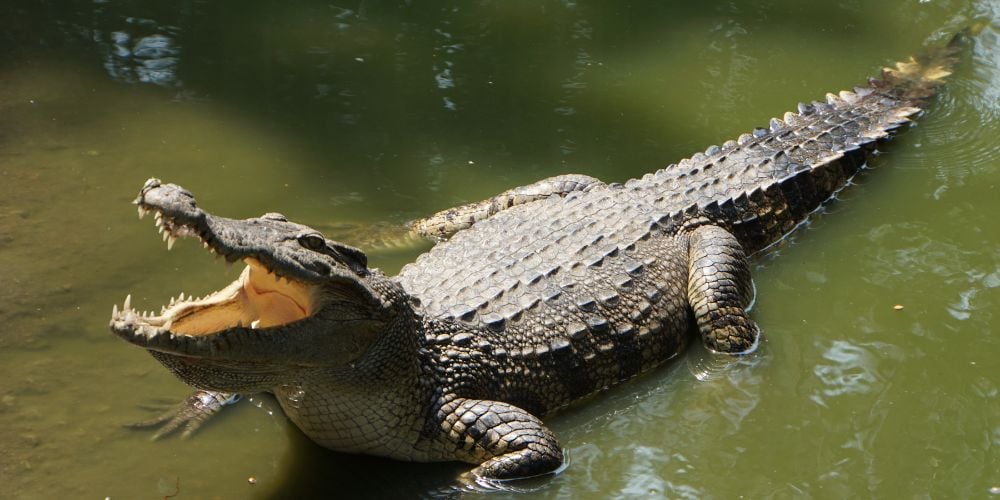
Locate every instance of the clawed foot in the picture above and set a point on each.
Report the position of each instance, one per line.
(189, 415)
(511, 446)
(744, 342)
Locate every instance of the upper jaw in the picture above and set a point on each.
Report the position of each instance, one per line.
(270, 240)
(175, 211)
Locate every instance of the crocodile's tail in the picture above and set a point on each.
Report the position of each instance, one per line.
(867, 116)
(765, 183)
(917, 79)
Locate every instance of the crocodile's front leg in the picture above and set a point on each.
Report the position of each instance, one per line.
(446, 223)
(719, 290)
(189, 414)
(506, 441)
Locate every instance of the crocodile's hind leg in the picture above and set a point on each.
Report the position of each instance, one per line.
(506, 441)
(446, 223)
(719, 290)
(374, 237)
(190, 414)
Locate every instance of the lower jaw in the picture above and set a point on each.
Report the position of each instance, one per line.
(257, 299)
(219, 374)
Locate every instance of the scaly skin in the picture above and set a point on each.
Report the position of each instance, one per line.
(541, 296)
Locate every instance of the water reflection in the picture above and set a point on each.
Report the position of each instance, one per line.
(731, 67)
(148, 59)
(134, 49)
(852, 371)
(443, 71)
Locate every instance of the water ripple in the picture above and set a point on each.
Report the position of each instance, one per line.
(966, 118)
(644, 478)
(903, 247)
(733, 382)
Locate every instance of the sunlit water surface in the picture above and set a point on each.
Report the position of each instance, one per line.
(347, 114)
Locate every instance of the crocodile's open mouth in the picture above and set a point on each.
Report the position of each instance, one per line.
(258, 299)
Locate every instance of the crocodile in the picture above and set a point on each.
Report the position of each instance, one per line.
(529, 301)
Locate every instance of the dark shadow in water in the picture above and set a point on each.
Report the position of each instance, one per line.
(309, 471)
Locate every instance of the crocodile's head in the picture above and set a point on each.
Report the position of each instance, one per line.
(302, 301)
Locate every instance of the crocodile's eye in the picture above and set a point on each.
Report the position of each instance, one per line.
(312, 241)
(274, 216)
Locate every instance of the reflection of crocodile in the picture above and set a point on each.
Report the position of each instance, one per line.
(541, 296)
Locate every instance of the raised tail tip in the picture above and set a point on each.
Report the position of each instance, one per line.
(918, 77)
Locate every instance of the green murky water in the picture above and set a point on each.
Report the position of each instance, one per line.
(370, 112)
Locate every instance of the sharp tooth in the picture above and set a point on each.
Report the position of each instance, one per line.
(159, 217)
(255, 323)
(114, 311)
(128, 303)
(170, 242)
(142, 211)
(180, 298)
(204, 244)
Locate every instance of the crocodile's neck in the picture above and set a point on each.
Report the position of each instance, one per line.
(341, 407)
